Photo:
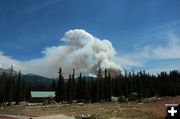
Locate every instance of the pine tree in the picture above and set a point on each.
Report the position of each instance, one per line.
(80, 87)
(93, 91)
(19, 91)
(9, 87)
(2, 87)
(107, 86)
(70, 89)
(85, 89)
(60, 90)
(73, 85)
(24, 89)
(109, 91)
(100, 85)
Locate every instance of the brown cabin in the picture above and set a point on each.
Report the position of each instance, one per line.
(133, 96)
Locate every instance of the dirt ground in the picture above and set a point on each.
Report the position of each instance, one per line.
(157, 107)
(6, 117)
(147, 109)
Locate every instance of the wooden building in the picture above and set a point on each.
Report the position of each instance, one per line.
(41, 96)
(133, 96)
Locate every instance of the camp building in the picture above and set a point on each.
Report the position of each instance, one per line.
(41, 96)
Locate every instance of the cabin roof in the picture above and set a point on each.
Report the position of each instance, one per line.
(134, 93)
(41, 94)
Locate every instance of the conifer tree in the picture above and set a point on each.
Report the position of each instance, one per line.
(60, 89)
(105, 85)
(109, 91)
(93, 91)
(100, 85)
(80, 87)
(73, 85)
(19, 91)
(9, 87)
(2, 87)
(70, 89)
(24, 89)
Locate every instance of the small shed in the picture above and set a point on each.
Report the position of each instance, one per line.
(133, 96)
(41, 96)
(114, 98)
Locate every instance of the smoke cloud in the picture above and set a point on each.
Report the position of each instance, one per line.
(82, 51)
(6, 62)
(86, 53)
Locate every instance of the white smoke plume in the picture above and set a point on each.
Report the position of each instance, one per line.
(6, 62)
(82, 51)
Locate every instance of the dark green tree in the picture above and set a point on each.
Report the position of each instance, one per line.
(100, 85)
(2, 87)
(73, 85)
(19, 91)
(70, 89)
(60, 89)
(79, 87)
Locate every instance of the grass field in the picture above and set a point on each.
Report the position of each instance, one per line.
(130, 110)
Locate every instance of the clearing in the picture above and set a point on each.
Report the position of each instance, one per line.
(148, 109)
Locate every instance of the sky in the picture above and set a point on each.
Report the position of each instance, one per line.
(145, 34)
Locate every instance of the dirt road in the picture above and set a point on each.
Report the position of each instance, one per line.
(60, 116)
(54, 117)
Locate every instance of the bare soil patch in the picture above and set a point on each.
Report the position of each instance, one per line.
(6, 117)
(152, 109)
(157, 107)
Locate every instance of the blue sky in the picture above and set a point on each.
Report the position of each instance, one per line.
(27, 27)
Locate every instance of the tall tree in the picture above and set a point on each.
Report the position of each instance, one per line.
(70, 89)
(73, 85)
(107, 85)
(9, 87)
(2, 87)
(93, 91)
(100, 85)
(109, 91)
(24, 89)
(60, 90)
(79, 87)
(19, 90)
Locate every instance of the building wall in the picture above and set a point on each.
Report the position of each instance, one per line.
(38, 100)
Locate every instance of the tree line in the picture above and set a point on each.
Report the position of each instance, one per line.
(104, 85)
(12, 88)
(92, 89)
